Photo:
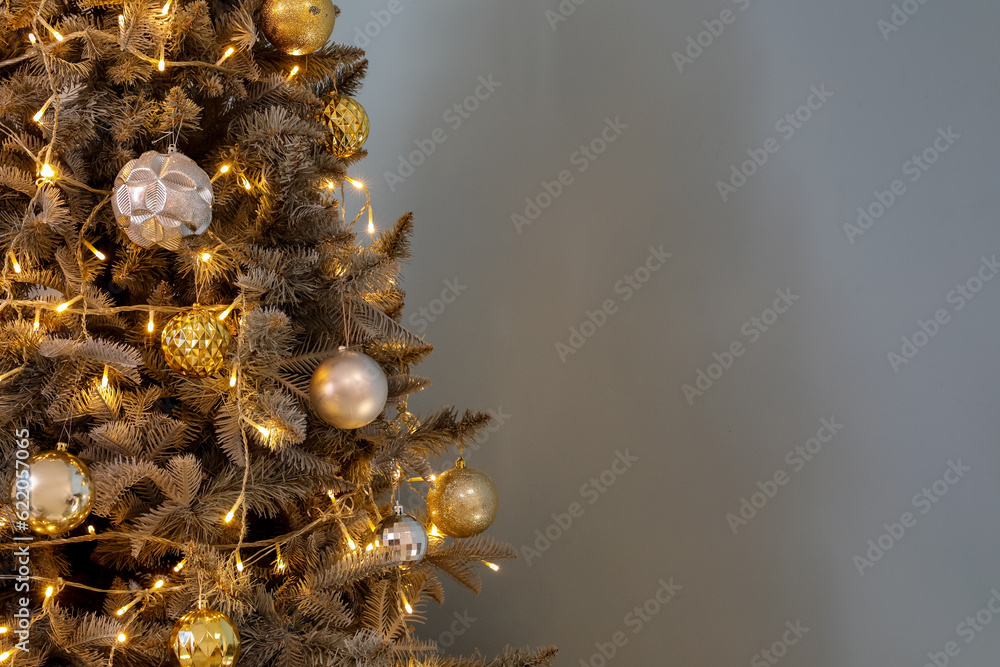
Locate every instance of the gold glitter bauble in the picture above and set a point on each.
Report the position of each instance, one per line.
(297, 27)
(204, 638)
(195, 343)
(348, 123)
(463, 501)
(56, 487)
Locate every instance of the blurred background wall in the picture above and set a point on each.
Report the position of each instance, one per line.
(639, 240)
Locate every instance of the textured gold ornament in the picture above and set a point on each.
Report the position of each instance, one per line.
(298, 27)
(57, 488)
(463, 501)
(204, 638)
(348, 123)
(161, 198)
(195, 343)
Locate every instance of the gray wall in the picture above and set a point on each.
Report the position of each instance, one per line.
(825, 358)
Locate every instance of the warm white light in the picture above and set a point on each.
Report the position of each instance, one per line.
(232, 378)
(91, 530)
(159, 583)
(230, 51)
(32, 38)
(295, 70)
(224, 314)
(230, 515)
(122, 637)
(166, 9)
(4, 655)
(121, 612)
(47, 171)
(224, 169)
(206, 256)
(179, 566)
(151, 324)
(263, 431)
(358, 184)
(57, 35)
(492, 566)
(104, 379)
(161, 65)
(49, 592)
(13, 261)
(97, 253)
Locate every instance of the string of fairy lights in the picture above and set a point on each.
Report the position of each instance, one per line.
(48, 174)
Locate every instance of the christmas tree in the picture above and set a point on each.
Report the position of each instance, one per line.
(203, 376)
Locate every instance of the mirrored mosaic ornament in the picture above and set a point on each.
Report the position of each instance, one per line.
(405, 535)
(195, 343)
(204, 638)
(161, 198)
(348, 123)
(463, 501)
(58, 491)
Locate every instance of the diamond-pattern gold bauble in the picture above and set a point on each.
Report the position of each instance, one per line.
(56, 486)
(463, 501)
(298, 27)
(348, 123)
(204, 638)
(195, 343)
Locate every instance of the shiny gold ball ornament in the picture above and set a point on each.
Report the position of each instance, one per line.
(57, 489)
(348, 390)
(463, 501)
(297, 27)
(195, 343)
(204, 638)
(159, 198)
(406, 536)
(348, 123)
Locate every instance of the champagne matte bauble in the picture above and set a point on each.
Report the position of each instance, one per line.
(348, 390)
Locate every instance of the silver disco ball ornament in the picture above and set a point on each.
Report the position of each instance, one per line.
(405, 535)
(161, 198)
(349, 389)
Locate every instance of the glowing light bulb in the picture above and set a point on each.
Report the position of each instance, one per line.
(159, 583)
(50, 591)
(434, 531)
(232, 378)
(122, 637)
(104, 379)
(91, 530)
(32, 38)
(121, 611)
(57, 35)
(13, 261)
(230, 51)
(295, 70)
(151, 325)
(4, 655)
(162, 65)
(492, 566)
(224, 169)
(179, 566)
(263, 431)
(166, 9)
(47, 171)
(121, 20)
(38, 115)
(230, 515)
(206, 256)
(3, 630)
(38, 317)
(97, 253)
(224, 314)
(371, 227)
(239, 563)
(246, 184)
(358, 184)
